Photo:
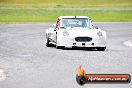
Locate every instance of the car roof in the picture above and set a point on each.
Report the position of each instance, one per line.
(61, 17)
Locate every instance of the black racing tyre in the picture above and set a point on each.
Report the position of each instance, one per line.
(101, 48)
(47, 42)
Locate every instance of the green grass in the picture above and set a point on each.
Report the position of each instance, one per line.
(70, 3)
(21, 11)
(50, 15)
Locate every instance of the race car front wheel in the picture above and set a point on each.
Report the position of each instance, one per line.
(47, 42)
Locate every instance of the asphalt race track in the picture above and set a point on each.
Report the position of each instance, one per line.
(26, 62)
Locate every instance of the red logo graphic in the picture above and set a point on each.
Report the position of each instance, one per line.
(83, 78)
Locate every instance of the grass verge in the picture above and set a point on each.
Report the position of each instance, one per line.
(49, 15)
(69, 3)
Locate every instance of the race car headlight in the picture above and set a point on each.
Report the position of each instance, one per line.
(65, 33)
(99, 33)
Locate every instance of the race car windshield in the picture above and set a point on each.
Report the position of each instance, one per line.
(75, 22)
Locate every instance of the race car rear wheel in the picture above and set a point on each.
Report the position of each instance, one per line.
(101, 48)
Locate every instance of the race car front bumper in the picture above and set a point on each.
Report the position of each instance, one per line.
(72, 42)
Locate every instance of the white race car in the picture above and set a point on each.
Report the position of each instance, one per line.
(75, 31)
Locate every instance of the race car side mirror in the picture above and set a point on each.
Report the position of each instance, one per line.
(55, 29)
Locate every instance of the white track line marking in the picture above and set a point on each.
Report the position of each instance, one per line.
(128, 43)
(2, 75)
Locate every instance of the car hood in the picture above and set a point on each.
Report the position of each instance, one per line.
(83, 32)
